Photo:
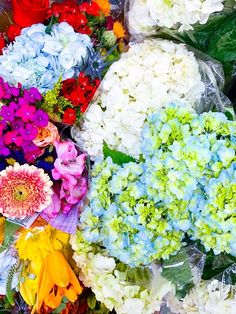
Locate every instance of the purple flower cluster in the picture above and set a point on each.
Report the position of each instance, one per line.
(20, 120)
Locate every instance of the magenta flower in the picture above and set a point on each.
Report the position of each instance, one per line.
(4, 151)
(23, 101)
(32, 95)
(8, 112)
(2, 126)
(2, 92)
(15, 91)
(30, 132)
(7, 91)
(13, 137)
(17, 125)
(31, 151)
(26, 112)
(40, 118)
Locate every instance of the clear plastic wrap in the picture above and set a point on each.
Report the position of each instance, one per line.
(212, 74)
(185, 268)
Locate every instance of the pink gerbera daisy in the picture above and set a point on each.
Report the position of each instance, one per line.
(24, 190)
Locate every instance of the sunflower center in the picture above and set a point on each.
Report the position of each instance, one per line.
(20, 193)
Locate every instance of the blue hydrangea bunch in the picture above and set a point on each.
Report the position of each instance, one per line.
(121, 218)
(189, 162)
(38, 58)
(185, 184)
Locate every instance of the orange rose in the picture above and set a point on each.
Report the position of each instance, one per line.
(46, 136)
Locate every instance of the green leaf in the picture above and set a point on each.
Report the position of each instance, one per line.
(222, 45)
(91, 302)
(177, 270)
(216, 264)
(9, 231)
(118, 158)
(229, 114)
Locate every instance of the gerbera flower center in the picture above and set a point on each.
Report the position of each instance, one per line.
(20, 193)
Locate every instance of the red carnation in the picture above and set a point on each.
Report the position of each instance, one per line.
(69, 116)
(68, 86)
(12, 31)
(91, 8)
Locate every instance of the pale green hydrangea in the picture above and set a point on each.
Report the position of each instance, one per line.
(117, 286)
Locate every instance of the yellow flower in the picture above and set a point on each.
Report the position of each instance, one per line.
(2, 224)
(118, 30)
(35, 244)
(104, 5)
(56, 279)
(39, 247)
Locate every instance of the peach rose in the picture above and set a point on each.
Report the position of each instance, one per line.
(46, 136)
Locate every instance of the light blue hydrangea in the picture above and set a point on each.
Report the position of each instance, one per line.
(215, 215)
(187, 170)
(39, 59)
(121, 218)
(185, 183)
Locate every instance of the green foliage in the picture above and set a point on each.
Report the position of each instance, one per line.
(216, 264)
(217, 38)
(118, 158)
(177, 270)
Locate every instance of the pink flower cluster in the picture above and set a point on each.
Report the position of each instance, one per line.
(69, 168)
(20, 120)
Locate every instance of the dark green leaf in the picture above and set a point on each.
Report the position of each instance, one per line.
(117, 157)
(229, 115)
(177, 270)
(216, 264)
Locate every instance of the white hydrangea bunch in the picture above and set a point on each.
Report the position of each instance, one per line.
(145, 16)
(210, 297)
(116, 285)
(146, 78)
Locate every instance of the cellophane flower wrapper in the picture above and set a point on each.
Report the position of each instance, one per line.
(147, 77)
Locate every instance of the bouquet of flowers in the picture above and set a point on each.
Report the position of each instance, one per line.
(66, 57)
(39, 171)
(146, 77)
(148, 226)
(43, 178)
(144, 211)
(145, 17)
